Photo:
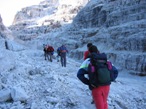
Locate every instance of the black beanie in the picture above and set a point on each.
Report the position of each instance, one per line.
(93, 48)
(89, 45)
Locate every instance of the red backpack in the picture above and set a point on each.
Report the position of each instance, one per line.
(50, 49)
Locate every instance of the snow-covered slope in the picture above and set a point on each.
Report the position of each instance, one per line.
(40, 84)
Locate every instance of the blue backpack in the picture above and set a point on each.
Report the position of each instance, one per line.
(114, 73)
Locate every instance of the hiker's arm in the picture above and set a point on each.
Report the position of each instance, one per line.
(81, 75)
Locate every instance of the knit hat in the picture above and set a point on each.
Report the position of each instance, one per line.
(89, 45)
(94, 49)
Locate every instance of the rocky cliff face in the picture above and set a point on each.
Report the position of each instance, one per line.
(4, 31)
(119, 28)
(8, 40)
(43, 18)
(2, 28)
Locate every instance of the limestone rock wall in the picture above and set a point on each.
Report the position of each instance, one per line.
(119, 29)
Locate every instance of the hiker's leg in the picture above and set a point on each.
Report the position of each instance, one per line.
(105, 96)
(61, 60)
(48, 57)
(98, 98)
(65, 60)
(51, 57)
(45, 55)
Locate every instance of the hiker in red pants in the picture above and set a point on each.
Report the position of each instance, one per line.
(99, 92)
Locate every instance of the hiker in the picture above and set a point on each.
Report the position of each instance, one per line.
(49, 51)
(86, 53)
(99, 92)
(62, 53)
(45, 51)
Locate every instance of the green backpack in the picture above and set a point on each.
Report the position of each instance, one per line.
(99, 74)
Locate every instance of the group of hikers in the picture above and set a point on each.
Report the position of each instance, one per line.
(101, 72)
(61, 52)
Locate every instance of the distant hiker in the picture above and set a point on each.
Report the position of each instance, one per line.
(45, 51)
(62, 53)
(49, 51)
(86, 53)
(98, 78)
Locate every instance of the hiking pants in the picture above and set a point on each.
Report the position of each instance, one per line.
(63, 59)
(100, 96)
(50, 56)
(46, 55)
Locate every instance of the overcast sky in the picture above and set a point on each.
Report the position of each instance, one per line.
(8, 8)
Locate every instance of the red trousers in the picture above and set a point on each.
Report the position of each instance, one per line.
(100, 96)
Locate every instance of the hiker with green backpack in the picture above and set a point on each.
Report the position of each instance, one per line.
(99, 76)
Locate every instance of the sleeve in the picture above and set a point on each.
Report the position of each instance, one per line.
(81, 75)
(85, 64)
(85, 55)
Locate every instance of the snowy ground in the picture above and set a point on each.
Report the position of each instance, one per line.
(50, 86)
